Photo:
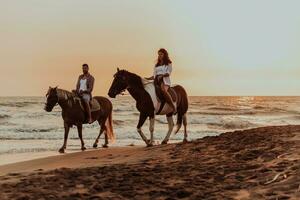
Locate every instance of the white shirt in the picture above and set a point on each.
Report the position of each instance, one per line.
(83, 85)
(161, 70)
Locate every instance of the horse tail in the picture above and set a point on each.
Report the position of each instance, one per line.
(178, 123)
(182, 106)
(109, 128)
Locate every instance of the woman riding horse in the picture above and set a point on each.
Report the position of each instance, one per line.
(148, 102)
(161, 74)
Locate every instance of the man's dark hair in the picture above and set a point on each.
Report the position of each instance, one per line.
(85, 65)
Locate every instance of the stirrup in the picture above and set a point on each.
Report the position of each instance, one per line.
(175, 112)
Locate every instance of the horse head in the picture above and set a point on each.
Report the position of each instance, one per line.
(52, 99)
(119, 84)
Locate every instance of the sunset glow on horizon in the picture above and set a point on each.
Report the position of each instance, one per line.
(217, 47)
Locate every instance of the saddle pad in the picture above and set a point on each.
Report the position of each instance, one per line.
(150, 89)
(95, 106)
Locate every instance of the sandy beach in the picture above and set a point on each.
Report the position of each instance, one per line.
(260, 163)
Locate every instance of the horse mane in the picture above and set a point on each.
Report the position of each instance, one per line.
(64, 93)
(134, 79)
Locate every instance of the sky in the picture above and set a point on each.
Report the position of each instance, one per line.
(232, 47)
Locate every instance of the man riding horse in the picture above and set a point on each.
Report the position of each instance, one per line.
(74, 113)
(84, 88)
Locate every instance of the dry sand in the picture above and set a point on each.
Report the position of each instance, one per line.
(262, 163)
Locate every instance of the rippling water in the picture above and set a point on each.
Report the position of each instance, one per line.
(26, 127)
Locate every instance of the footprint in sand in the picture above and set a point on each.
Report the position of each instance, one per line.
(92, 158)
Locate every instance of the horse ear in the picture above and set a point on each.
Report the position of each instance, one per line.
(55, 88)
(118, 69)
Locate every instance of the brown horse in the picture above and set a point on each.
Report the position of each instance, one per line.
(147, 103)
(74, 114)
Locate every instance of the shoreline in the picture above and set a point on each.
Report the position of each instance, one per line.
(260, 163)
(13, 158)
(78, 159)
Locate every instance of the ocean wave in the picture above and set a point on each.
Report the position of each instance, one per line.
(234, 124)
(161, 121)
(240, 112)
(275, 109)
(27, 150)
(206, 116)
(19, 104)
(223, 108)
(197, 120)
(32, 138)
(38, 115)
(295, 117)
(35, 130)
(257, 107)
(118, 122)
(123, 110)
(4, 116)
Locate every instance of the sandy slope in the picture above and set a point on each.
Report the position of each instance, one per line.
(261, 163)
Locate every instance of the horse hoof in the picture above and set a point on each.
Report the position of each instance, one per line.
(149, 145)
(105, 146)
(83, 148)
(61, 150)
(95, 145)
(164, 142)
(185, 141)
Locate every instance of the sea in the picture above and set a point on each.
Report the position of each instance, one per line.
(27, 131)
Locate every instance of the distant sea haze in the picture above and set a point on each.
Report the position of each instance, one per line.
(26, 127)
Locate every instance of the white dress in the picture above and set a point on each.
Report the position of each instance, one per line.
(161, 70)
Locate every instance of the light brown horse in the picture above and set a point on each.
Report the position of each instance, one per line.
(74, 114)
(147, 104)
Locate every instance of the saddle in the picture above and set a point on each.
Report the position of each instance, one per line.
(94, 104)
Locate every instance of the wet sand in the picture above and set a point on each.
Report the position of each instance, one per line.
(262, 163)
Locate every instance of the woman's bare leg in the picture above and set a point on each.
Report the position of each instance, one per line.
(168, 97)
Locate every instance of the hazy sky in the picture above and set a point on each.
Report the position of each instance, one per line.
(232, 47)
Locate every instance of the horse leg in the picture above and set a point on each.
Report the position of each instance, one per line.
(171, 125)
(105, 145)
(67, 128)
(79, 129)
(184, 125)
(151, 129)
(139, 128)
(97, 139)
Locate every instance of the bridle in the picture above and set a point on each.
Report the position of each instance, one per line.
(126, 82)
